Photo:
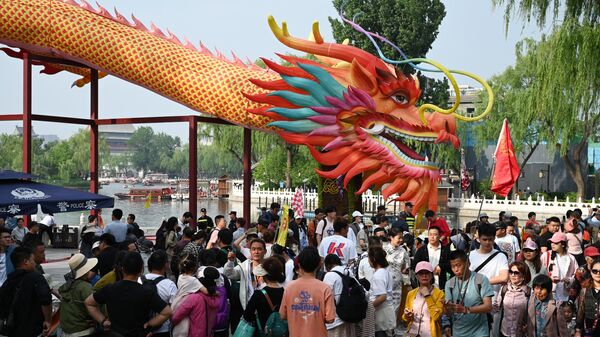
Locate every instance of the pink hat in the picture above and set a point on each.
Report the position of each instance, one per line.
(558, 237)
(592, 251)
(424, 265)
(530, 244)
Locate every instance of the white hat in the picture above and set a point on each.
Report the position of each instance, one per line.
(96, 245)
(356, 213)
(298, 216)
(80, 265)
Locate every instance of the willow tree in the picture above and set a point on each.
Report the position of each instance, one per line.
(566, 71)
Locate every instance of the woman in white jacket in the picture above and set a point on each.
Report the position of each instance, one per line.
(243, 271)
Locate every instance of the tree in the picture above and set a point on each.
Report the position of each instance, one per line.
(552, 94)
(152, 151)
(567, 85)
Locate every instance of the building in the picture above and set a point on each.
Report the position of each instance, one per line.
(117, 136)
(45, 138)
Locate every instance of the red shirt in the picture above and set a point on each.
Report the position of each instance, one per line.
(444, 229)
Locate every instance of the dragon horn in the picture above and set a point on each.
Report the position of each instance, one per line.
(318, 47)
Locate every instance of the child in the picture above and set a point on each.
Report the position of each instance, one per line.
(568, 309)
(544, 317)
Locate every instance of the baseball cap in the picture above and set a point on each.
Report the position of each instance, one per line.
(203, 210)
(380, 207)
(356, 213)
(483, 215)
(96, 245)
(424, 265)
(591, 251)
(558, 237)
(298, 216)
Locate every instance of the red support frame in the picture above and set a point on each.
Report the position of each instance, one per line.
(193, 168)
(247, 173)
(26, 113)
(94, 121)
(94, 184)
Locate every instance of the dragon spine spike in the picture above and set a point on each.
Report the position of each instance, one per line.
(316, 34)
(137, 24)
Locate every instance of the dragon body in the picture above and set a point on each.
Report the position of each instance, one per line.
(355, 112)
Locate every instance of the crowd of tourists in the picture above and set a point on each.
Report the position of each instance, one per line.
(333, 275)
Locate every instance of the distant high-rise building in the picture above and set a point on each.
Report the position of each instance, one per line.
(45, 138)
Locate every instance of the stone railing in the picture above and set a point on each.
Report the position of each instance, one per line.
(468, 208)
(264, 197)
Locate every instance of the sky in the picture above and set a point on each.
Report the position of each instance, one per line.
(471, 37)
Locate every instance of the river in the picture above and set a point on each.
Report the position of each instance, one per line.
(151, 217)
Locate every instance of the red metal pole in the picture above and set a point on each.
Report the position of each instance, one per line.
(94, 186)
(27, 119)
(193, 168)
(246, 202)
(26, 112)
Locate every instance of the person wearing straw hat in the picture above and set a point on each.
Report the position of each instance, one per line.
(74, 317)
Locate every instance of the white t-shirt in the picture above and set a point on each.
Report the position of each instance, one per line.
(166, 291)
(340, 246)
(351, 235)
(289, 272)
(335, 282)
(328, 228)
(510, 245)
(48, 220)
(381, 284)
(364, 268)
(491, 269)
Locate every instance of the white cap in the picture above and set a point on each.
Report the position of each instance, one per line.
(356, 213)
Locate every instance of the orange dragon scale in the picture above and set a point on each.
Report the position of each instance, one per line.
(353, 110)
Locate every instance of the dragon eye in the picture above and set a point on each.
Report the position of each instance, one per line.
(400, 98)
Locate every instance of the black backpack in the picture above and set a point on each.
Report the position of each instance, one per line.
(152, 284)
(352, 306)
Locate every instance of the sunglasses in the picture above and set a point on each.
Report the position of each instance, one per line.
(595, 271)
(516, 272)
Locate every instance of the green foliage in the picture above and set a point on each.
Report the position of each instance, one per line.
(584, 11)
(410, 24)
(153, 151)
(552, 95)
(65, 160)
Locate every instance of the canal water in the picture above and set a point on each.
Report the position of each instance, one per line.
(153, 216)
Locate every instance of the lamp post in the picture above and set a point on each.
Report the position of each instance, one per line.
(545, 173)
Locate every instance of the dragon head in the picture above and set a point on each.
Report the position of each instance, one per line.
(357, 113)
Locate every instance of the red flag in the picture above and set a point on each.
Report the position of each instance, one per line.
(506, 171)
(465, 180)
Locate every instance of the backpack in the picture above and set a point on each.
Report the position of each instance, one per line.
(352, 306)
(222, 319)
(275, 326)
(152, 284)
(161, 240)
(478, 282)
(7, 315)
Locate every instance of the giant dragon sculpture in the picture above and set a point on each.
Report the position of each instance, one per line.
(353, 110)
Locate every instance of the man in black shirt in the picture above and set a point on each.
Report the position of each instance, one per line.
(129, 304)
(33, 309)
(108, 251)
(204, 221)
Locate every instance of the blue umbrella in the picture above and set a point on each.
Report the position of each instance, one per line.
(10, 174)
(23, 197)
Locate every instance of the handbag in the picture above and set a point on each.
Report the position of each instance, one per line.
(244, 329)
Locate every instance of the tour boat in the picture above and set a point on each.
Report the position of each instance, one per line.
(140, 194)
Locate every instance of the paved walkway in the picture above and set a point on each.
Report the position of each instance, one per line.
(57, 265)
